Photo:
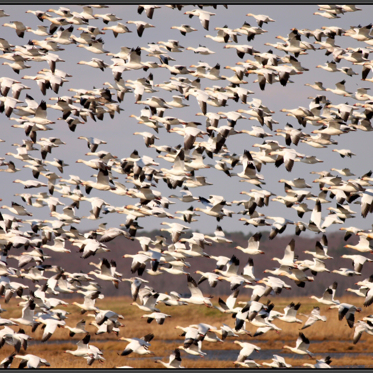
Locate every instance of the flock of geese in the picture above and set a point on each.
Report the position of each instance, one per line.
(128, 173)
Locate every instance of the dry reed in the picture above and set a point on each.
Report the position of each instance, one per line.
(335, 335)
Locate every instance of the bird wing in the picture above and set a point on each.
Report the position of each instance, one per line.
(357, 266)
(302, 342)
(217, 207)
(80, 324)
(289, 251)
(316, 214)
(369, 298)
(206, 202)
(179, 160)
(205, 20)
(105, 267)
(319, 249)
(49, 330)
(310, 321)
(33, 361)
(83, 343)
(175, 358)
(350, 317)
(28, 311)
(254, 241)
(319, 263)
(69, 211)
(359, 329)
(279, 358)
(193, 287)
(315, 311)
(248, 270)
(135, 287)
(103, 177)
(364, 241)
(342, 311)
(232, 265)
(147, 338)
(151, 300)
(292, 311)
(131, 347)
(41, 111)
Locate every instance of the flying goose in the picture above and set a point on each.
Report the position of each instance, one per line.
(31, 361)
(246, 350)
(277, 362)
(196, 294)
(137, 345)
(328, 295)
(140, 26)
(174, 361)
(301, 346)
(313, 317)
(348, 311)
(78, 329)
(203, 15)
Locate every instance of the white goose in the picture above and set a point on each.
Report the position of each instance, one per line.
(203, 15)
(174, 362)
(137, 345)
(196, 294)
(194, 349)
(106, 272)
(246, 350)
(31, 361)
(328, 296)
(348, 311)
(277, 362)
(18, 26)
(78, 329)
(51, 325)
(27, 315)
(140, 26)
(301, 346)
(253, 245)
(313, 317)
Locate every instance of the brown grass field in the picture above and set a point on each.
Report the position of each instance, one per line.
(334, 336)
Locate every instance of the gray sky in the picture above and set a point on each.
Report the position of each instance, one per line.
(118, 132)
